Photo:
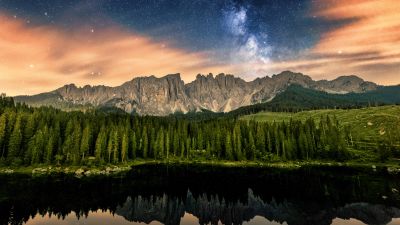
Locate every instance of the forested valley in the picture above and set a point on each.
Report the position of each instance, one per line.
(33, 136)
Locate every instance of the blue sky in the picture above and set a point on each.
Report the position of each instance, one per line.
(249, 38)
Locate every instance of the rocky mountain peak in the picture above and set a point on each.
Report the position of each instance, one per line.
(348, 80)
(221, 93)
(67, 88)
(349, 77)
(345, 84)
(175, 76)
(293, 77)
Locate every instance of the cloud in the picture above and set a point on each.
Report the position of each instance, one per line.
(36, 58)
(368, 45)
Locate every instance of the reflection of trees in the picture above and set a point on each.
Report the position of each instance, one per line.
(211, 209)
(297, 197)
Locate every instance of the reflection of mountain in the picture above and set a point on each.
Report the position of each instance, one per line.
(211, 209)
(168, 210)
(369, 214)
(156, 193)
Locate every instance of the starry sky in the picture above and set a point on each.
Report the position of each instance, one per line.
(45, 44)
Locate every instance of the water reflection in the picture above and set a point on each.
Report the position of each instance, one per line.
(106, 218)
(182, 195)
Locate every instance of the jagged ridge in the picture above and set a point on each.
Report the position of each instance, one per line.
(169, 94)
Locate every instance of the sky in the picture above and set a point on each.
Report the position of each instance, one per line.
(45, 44)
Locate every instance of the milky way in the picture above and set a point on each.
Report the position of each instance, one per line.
(46, 43)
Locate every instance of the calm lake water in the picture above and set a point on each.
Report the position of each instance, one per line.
(157, 194)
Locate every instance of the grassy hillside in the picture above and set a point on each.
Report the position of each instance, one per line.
(368, 126)
(297, 98)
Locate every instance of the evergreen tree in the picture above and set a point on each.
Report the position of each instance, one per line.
(68, 144)
(15, 139)
(237, 138)
(228, 147)
(3, 121)
(167, 145)
(251, 147)
(200, 144)
(29, 129)
(134, 145)
(175, 144)
(110, 146)
(260, 139)
(115, 147)
(145, 143)
(50, 148)
(124, 147)
(100, 146)
(46, 135)
(160, 144)
(85, 142)
(38, 145)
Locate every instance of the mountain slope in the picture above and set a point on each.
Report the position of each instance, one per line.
(296, 98)
(367, 126)
(169, 94)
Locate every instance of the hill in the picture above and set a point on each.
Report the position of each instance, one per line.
(367, 126)
(297, 98)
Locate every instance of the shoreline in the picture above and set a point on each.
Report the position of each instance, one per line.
(106, 170)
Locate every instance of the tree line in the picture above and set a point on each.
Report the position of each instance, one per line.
(30, 136)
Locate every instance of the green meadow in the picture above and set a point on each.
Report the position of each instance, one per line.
(368, 126)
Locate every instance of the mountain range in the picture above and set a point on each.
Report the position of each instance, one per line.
(221, 93)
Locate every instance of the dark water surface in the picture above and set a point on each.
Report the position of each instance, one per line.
(204, 195)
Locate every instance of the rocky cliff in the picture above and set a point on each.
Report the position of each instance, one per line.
(169, 94)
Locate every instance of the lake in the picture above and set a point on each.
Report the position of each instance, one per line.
(182, 194)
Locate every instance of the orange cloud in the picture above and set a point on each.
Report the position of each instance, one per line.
(368, 45)
(34, 59)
